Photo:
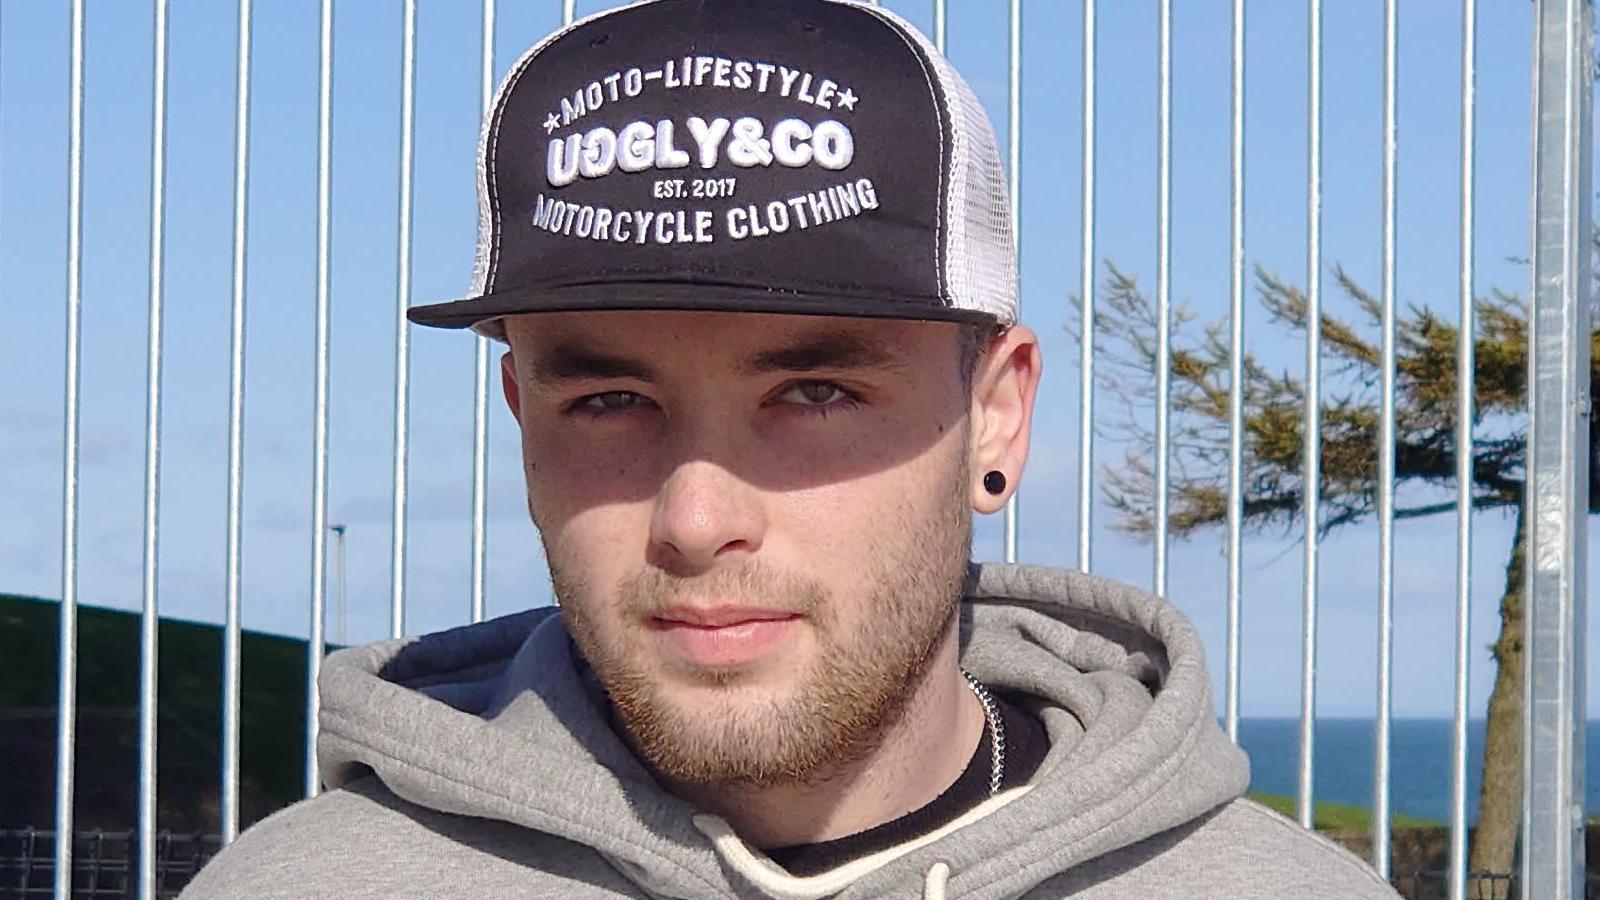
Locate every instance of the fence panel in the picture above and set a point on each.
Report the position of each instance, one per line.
(1558, 403)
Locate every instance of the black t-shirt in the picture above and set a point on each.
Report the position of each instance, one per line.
(1026, 745)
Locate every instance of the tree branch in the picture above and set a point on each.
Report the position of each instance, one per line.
(1417, 512)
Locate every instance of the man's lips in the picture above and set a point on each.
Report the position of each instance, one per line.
(723, 636)
(718, 616)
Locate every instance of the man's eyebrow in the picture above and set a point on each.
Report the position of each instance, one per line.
(829, 350)
(571, 362)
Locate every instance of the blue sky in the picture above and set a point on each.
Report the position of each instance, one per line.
(281, 293)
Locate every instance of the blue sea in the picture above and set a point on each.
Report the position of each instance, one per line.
(1419, 762)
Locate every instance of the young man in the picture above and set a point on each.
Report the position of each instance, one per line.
(753, 264)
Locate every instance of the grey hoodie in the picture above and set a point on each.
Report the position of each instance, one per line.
(479, 763)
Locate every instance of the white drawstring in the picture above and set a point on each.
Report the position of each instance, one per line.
(771, 878)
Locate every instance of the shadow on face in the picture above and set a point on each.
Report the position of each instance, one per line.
(615, 405)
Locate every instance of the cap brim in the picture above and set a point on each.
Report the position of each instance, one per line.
(612, 295)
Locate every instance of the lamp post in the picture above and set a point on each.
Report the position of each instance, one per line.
(338, 536)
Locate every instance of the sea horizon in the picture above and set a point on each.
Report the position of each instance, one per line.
(1419, 763)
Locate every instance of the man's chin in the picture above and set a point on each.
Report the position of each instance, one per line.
(714, 734)
(690, 690)
(667, 689)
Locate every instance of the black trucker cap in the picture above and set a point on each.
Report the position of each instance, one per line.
(794, 156)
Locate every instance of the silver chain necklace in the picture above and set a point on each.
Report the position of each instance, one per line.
(997, 732)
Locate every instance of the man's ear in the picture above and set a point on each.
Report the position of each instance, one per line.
(510, 385)
(1003, 391)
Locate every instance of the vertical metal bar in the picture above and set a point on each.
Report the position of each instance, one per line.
(1086, 288)
(67, 650)
(1386, 439)
(1235, 376)
(1163, 286)
(1558, 454)
(569, 11)
(402, 340)
(1014, 146)
(230, 652)
(480, 380)
(150, 616)
(941, 24)
(1311, 479)
(1466, 377)
(317, 644)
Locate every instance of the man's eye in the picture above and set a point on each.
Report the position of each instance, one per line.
(814, 393)
(610, 401)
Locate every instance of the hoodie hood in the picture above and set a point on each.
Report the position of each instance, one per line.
(499, 721)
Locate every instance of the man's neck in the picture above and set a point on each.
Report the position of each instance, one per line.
(919, 756)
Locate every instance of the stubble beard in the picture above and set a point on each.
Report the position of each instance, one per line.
(839, 707)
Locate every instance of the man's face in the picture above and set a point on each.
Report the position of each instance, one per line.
(757, 525)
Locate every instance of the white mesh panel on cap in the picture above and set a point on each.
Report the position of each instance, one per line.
(980, 252)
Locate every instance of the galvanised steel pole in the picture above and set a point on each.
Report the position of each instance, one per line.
(402, 343)
(481, 362)
(1163, 289)
(1386, 455)
(1466, 373)
(1235, 377)
(1311, 478)
(67, 633)
(316, 645)
(236, 346)
(150, 615)
(1558, 453)
(1013, 524)
(1086, 288)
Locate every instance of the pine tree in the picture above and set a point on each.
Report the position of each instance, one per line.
(1273, 488)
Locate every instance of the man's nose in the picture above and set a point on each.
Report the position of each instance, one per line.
(702, 512)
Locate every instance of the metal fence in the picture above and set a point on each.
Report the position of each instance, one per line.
(104, 863)
(1558, 408)
(104, 866)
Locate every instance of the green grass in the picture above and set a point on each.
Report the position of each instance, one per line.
(1340, 816)
(189, 701)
